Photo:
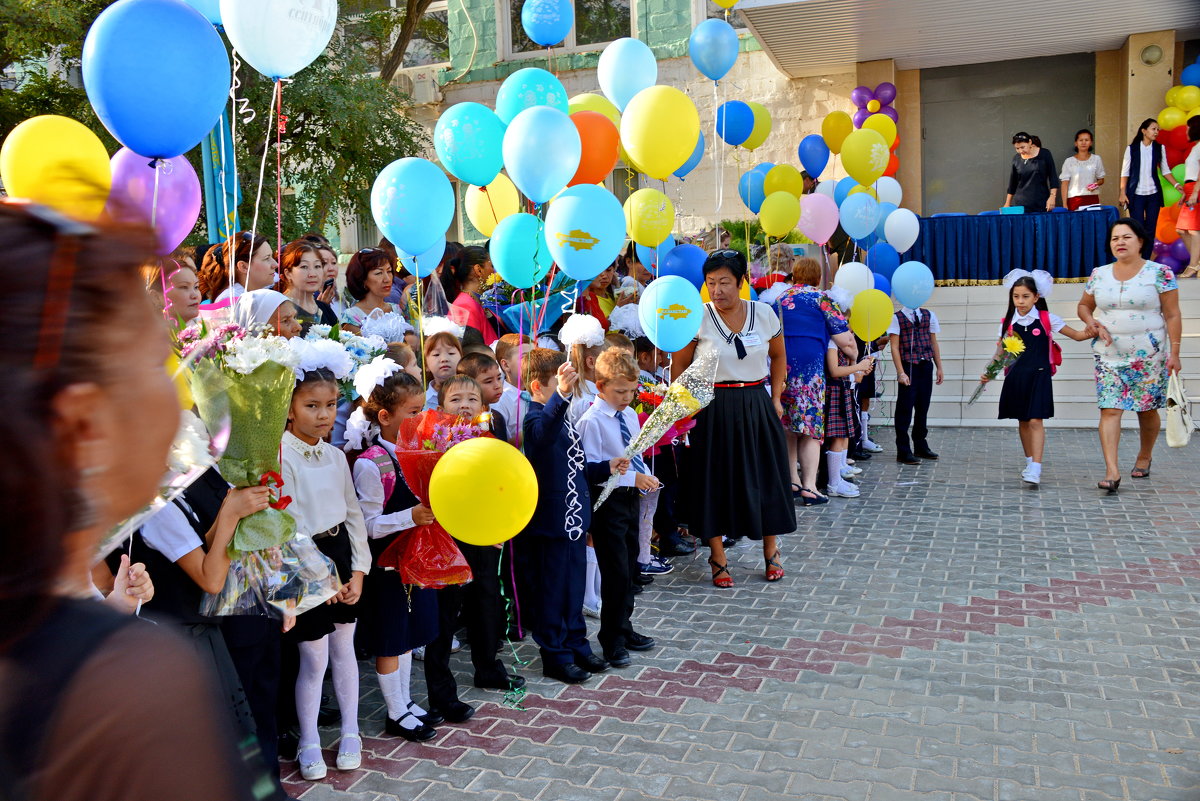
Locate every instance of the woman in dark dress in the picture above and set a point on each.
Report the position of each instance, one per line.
(1033, 180)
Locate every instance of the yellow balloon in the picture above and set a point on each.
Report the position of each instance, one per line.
(57, 162)
(483, 491)
(1172, 93)
(487, 206)
(865, 155)
(1192, 113)
(628, 159)
(835, 128)
(873, 106)
(884, 124)
(659, 130)
(597, 103)
(779, 214)
(784, 178)
(1188, 97)
(743, 292)
(726, 3)
(762, 126)
(865, 190)
(1171, 118)
(649, 217)
(871, 314)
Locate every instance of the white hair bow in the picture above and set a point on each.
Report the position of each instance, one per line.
(581, 329)
(1043, 280)
(359, 431)
(373, 374)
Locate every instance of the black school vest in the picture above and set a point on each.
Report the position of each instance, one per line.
(1135, 168)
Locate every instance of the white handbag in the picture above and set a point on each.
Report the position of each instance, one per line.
(1179, 420)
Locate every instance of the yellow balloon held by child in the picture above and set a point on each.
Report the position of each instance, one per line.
(487, 206)
(483, 491)
(871, 314)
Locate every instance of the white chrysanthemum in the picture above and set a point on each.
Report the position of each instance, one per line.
(190, 450)
(436, 325)
(581, 329)
(625, 319)
(317, 354)
(389, 327)
(318, 331)
(249, 353)
(359, 431)
(372, 375)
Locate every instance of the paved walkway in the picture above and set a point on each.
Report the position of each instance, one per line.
(949, 635)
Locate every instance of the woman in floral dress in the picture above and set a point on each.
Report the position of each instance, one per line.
(1133, 305)
(810, 320)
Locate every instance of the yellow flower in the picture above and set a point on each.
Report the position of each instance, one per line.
(686, 399)
(1013, 344)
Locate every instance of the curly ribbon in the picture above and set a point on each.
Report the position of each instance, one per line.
(274, 481)
(512, 616)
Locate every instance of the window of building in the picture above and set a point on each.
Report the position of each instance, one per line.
(597, 22)
(375, 24)
(707, 9)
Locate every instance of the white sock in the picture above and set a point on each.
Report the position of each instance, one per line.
(393, 695)
(1028, 461)
(591, 587)
(1036, 467)
(314, 657)
(345, 675)
(865, 417)
(833, 463)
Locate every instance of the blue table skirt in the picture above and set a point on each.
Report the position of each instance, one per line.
(983, 248)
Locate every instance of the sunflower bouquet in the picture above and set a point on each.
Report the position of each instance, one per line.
(1011, 348)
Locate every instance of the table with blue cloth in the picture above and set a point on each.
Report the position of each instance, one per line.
(965, 249)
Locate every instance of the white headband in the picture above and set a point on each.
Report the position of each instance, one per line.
(317, 354)
(359, 431)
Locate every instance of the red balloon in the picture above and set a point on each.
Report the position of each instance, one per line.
(896, 144)
(599, 155)
(1175, 139)
(893, 165)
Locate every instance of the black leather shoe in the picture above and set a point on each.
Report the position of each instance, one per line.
(501, 683)
(676, 549)
(419, 734)
(641, 578)
(568, 673)
(638, 642)
(591, 663)
(429, 718)
(925, 453)
(859, 456)
(619, 658)
(907, 458)
(456, 713)
(289, 743)
(638, 589)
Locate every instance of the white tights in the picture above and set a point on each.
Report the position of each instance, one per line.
(336, 648)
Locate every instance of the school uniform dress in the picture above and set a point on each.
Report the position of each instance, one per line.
(736, 468)
(1027, 393)
(809, 320)
(914, 327)
(840, 413)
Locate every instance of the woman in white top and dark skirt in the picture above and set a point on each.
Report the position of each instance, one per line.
(737, 463)
(1082, 174)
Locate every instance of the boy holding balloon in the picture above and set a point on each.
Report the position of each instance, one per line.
(913, 336)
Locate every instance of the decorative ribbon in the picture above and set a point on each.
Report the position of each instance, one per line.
(274, 481)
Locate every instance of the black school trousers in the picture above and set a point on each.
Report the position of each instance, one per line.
(615, 539)
(912, 406)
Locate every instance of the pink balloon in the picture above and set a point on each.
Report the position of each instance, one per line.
(132, 197)
(818, 217)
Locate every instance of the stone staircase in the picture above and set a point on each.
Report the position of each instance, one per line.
(970, 317)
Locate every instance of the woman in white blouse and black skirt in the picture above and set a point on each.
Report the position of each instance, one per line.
(737, 463)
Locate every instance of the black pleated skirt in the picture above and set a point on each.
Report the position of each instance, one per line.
(319, 621)
(735, 473)
(1027, 392)
(398, 617)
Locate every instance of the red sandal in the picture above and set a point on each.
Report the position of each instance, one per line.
(774, 569)
(723, 582)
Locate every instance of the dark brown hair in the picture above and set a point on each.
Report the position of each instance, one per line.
(473, 364)
(440, 338)
(457, 272)
(616, 339)
(1193, 128)
(360, 266)
(214, 271)
(388, 395)
(540, 364)
(290, 257)
(459, 380)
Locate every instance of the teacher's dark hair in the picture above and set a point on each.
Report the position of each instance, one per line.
(457, 272)
(1133, 225)
(360, 266)
(732, 260)
(1021, 136)
(1146, 123)
(1079, 133)
(1193, 128)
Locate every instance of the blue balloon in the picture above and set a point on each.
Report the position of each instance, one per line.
(1190, 75)
(211, 9)
(735, 121)
(882, 284)
(883, 259)
(547, 22)
(693, 160)
(425, 263)
(686, 261)
(764, 168)
(912, 284)
(413, 204)
(814, 154)
(519, 251)
(885, 209)
(469, 140)
(750, 187)
(652, 258)
(527, 88)
(713, 47)
(541, 151)
(626, 67)
(157, 74)
(842, 190)
(670, 312)
(585, 229)
(859, 213)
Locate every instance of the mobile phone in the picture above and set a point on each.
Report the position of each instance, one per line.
(329, 282)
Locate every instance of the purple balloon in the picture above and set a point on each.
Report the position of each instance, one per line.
(860, 117)
(891, 112)
(1172, 263)
(861, 96)
(885, 93)
(1179, 251)
(1160, 247)
(132, 196)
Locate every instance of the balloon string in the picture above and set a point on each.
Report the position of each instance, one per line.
(512, 615)
(154, 200)
(262, 168)
(491, 206)
(421, 328)
(279, 170)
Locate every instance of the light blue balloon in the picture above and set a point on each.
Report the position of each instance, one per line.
(670, 311)
(882, 284)
(814, 154)
(885, 209)
(626, 67)
(528, 88)
(425, 263)
(547, 22)
(469, 140)
(585, 230)
(211, 9)
(713, 47)
(413, 204)
(518, 250)
(764, 168)
(859, 214)
(912, 284)
(842, 190)
(157, 74)
(542, 151)
(750, 187)
(651, 258)
(693, 160)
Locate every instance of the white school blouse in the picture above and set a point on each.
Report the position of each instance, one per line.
(368, 482)
(761, 326)
(1081, 174)
(318, 480)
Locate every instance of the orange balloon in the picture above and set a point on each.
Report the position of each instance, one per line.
(893, 165)
(1166, 232)
(599, 155)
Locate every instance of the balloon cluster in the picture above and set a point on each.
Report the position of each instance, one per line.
(1182, 103)
(1173, 254)
(877, 101)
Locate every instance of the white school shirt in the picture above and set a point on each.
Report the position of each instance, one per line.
(761, 326)
(507, 406)
(232, 291)
(583, 402)
(910, 315)
(368, 483)
(170, 533)
(1056, 322)
(1191, 165)
(431, 401)
(1146, 183)
(318, 480)
(1079, 174)
(600, 435)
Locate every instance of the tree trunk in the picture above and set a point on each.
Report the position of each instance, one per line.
(413, 11)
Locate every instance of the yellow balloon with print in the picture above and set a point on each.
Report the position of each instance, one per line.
(779, 214)
(488, 205)
(743, 292)
(659, 130)
(836, 126)
(871, 314)
(884, 124)
(784, 178)
(500, 483)
(649, 217)
(597, 103)
(865, 155)
(59, 163)
(1171, 118)
(762, 126)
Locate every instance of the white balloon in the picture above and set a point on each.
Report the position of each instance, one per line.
(854, 277)
(889, 191)
(279, 37)
(827, 188)
(901, 229)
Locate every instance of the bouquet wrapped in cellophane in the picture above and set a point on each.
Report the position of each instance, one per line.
(246, 381)
(687, 394)
(1011, 348)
